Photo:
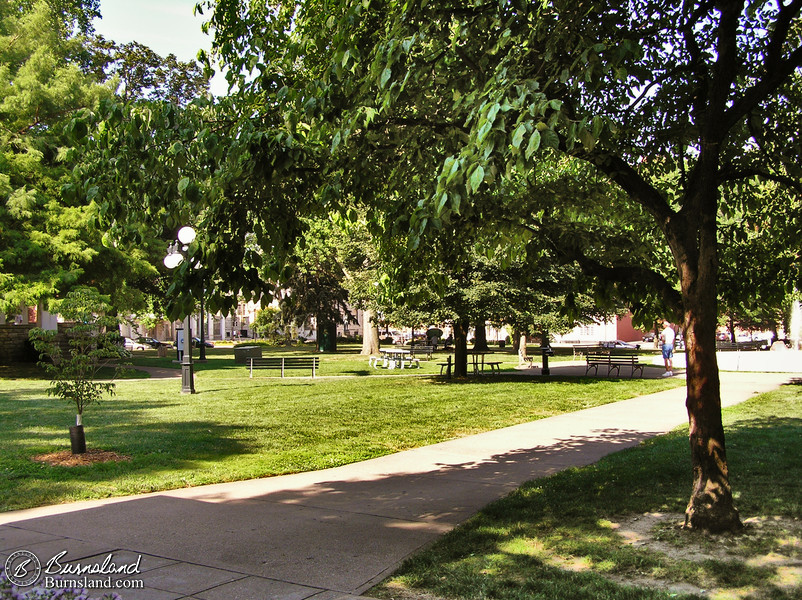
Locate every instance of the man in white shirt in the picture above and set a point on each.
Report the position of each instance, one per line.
(667, 345)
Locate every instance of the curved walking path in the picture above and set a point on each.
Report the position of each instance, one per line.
(331, 535)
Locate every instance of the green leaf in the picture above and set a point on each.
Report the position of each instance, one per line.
(533, 145)
(484, 128)
(477, 177)
(456, 200)
(441, 203)
(550, 138)
(587, 139)
(386, 74)
(518, 136)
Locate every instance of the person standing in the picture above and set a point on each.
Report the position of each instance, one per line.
(667, 345)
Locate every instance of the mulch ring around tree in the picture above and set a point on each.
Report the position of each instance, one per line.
(65, 458)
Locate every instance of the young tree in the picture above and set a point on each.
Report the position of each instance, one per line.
(144, 75)
(93, 343)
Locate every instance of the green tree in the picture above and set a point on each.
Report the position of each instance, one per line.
(141, 74)
(315, 288)
(442, 101)
(269, 324)
(94, 343)
(358, 255)
(44, 242)
(48, 238)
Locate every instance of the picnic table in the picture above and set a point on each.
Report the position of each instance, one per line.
(478, 361)
(397, 357)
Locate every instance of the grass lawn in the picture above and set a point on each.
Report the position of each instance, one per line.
(595, 532)
(239, 428)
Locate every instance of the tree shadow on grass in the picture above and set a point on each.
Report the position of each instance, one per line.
(297, 527)
(357, 372)
(153, 448)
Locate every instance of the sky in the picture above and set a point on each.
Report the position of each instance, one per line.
(165, 26)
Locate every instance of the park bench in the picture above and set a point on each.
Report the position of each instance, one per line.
(752, 345)
(594, 360)
(737, 346)
(580, 349)
(420, 350)
(285, 362)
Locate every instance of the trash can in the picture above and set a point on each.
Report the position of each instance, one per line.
(243, 353)
(546, 351)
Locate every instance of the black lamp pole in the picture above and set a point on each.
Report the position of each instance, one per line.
(176, 254)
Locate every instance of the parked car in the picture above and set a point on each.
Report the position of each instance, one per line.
(620, 344)
(152, 342)
(648, 337)
(134, 344)
(196, 343)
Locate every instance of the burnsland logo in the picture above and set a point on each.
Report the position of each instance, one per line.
(23, 568)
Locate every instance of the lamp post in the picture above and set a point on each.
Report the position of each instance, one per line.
(202, 336)
(176, 254)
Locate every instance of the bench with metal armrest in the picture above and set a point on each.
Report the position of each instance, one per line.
(284, 363)
(613, 362)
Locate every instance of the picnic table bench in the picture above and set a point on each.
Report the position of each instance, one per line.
(495, 365)
(285, 362)
(394, 357)
(594, 360)
(420, 350)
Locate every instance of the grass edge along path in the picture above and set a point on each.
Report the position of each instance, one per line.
(235, 428)
(561, 537)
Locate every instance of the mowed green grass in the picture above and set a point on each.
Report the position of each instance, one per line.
(557, 538)
(238, 428)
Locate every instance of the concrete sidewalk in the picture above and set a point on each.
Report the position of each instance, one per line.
(331, 535)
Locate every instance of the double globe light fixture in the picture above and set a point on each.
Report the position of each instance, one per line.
(176, 254)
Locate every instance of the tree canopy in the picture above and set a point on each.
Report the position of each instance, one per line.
(681, 109)
(52, 68)
(623, 136)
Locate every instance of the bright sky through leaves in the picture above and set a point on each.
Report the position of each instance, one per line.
(165, 26)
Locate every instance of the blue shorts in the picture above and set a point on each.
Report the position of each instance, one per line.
(668, 350)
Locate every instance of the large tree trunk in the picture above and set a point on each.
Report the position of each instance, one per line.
(711, 505)
(370, 333)
(480, 337)
(461, 348)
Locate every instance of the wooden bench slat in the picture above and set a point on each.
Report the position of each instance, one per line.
(613, 361)
(419, 349)
(283, 363)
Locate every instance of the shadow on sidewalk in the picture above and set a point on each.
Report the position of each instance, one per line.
(341, 534)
